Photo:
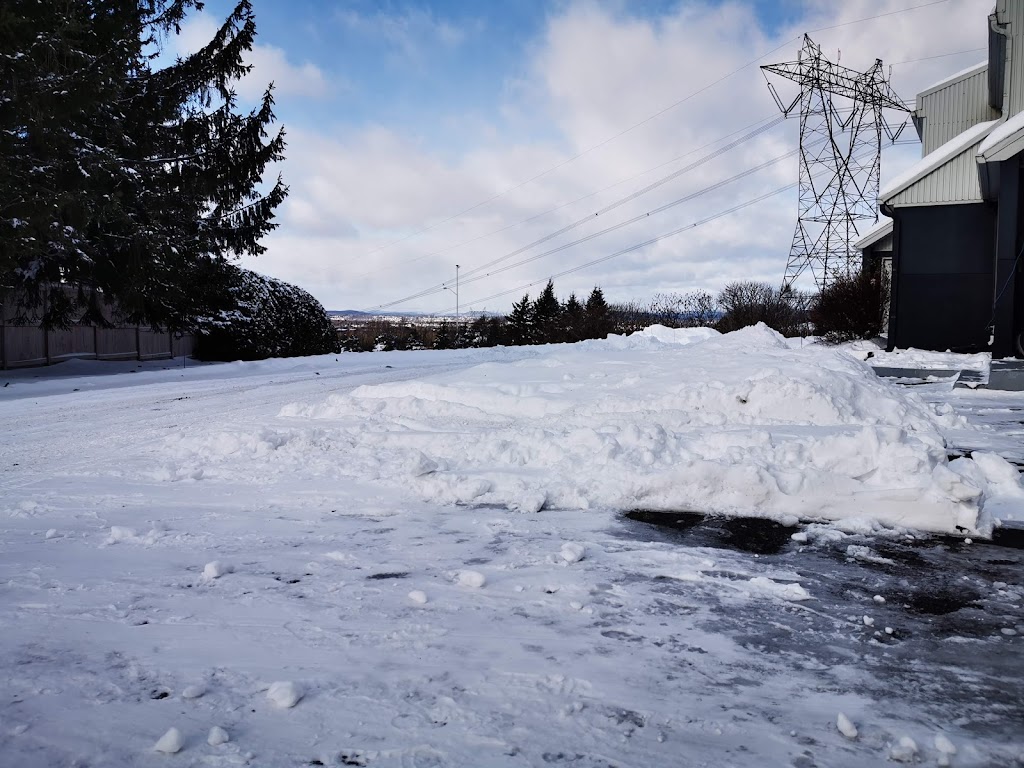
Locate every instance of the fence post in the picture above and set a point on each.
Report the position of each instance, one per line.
(3, 336)
(46, 333)
(138, 342)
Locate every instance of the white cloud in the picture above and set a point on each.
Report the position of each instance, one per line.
(350, 229)
(409, 31)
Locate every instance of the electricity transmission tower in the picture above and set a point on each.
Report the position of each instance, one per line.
(841, 125)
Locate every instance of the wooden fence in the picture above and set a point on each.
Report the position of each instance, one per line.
(28, 345)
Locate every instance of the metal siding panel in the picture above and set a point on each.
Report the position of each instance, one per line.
(954, 182)
(952, 110)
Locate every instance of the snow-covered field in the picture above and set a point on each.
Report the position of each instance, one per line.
(420, 559)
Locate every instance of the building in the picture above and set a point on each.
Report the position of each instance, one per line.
(956, 235)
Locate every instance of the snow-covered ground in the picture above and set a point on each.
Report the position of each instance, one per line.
(421, 559)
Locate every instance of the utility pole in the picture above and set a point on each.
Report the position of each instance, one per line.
(840, 158)
(458, 317)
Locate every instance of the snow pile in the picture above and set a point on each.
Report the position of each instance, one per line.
(735, 424)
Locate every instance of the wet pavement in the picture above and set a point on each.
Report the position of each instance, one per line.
(934, 622)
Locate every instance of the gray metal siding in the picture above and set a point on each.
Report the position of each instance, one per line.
(953, 182)
(950, 111)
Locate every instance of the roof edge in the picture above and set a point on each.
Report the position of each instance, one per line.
(955, 78)
(936, 159)
(874, 235)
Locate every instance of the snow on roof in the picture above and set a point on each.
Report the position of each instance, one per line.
(962, 74)
(930, 162)
(877, 232)
(1003, 138)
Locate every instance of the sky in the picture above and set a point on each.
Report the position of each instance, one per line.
(425, 135)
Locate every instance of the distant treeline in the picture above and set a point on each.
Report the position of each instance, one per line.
(850, 308)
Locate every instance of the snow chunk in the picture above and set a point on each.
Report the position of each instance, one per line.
(946, 749)
(52, 533)
(418, 596)
(216, 569)
(120, 533)
(170, 743)
(573, 552)
(194, 691)
(473, 579)
(904, 751)
(284, 694)
(1002, 476)
(846, 726)
(868, 621)
(784, 591)
(217, 736)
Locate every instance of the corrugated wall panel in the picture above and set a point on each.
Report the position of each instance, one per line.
(952, 110)
(954, 182)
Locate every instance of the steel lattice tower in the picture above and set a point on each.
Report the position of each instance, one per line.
(841, 126)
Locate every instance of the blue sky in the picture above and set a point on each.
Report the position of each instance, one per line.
(401, 115)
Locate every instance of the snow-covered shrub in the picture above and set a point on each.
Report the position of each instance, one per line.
(265, 318)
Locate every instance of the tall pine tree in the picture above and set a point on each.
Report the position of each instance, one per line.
(597, 321)
(520, 322)
(547, 314)
(135, 189)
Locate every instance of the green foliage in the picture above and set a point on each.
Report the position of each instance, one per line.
(520, 322)
(265, 318)
(131, 182)
(547, 316)
(573, 316)
(598, 321)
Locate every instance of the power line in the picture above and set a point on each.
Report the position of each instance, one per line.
(937, 56)
(607, 230)
(638, 246)
(878, 16)
(643, 122)
(507, 227)
(590, 217)
(632, 248)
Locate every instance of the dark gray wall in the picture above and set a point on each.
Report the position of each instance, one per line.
(942, 277)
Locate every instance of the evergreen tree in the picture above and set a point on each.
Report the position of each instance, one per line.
(597, 321)
(496, 332)
(520, 322)
(445, 337)
(572, 319)
(130, 183)
(547, 314)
